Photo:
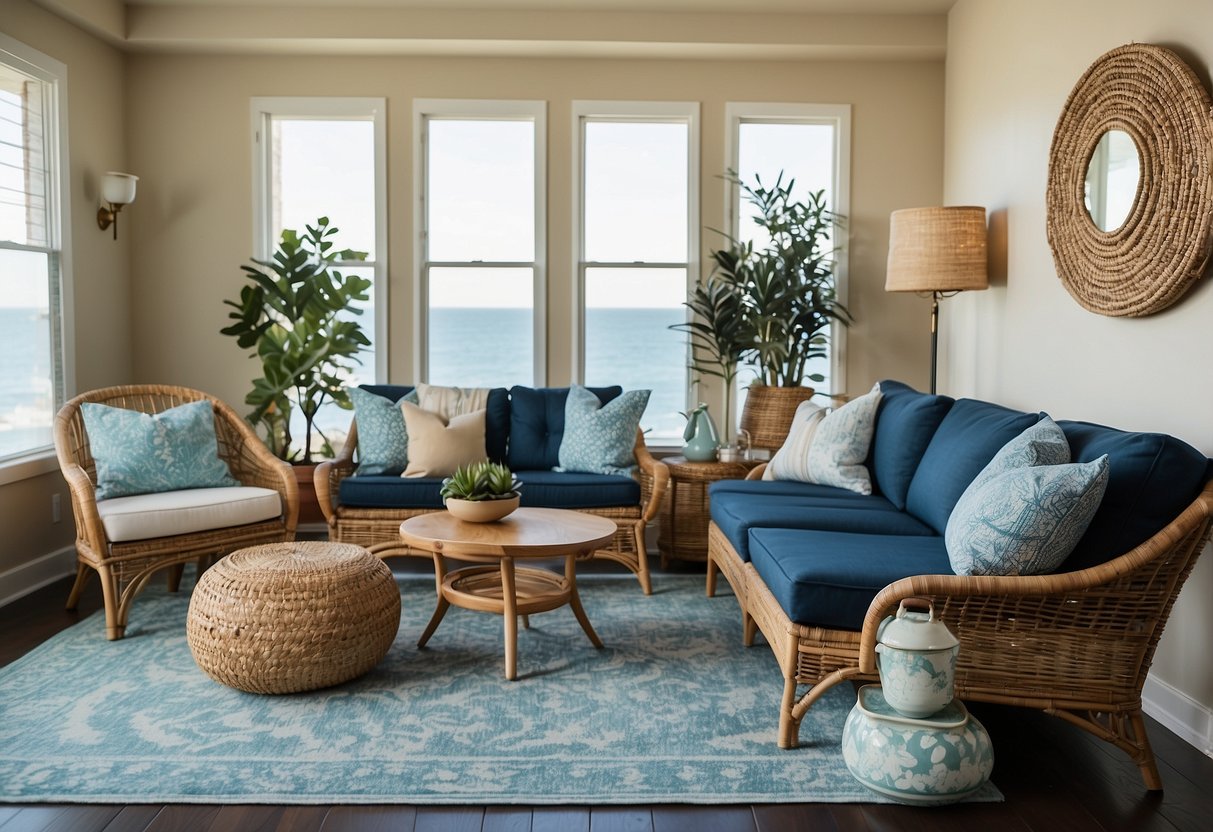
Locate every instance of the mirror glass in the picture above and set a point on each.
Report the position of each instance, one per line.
(1112, 176)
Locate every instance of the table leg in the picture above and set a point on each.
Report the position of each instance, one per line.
(443, 604)
(526, 622)
(570, 575)
(510, 598)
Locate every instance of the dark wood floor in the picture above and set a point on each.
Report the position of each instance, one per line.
(1054, 776)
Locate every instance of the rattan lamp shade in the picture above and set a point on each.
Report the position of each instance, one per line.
(937, 249)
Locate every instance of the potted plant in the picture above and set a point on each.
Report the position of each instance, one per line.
(769, 308)
(297, 314)
(481, 492)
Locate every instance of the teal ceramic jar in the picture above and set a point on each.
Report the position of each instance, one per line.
(916, 658)
(700, 436)
(924, 761)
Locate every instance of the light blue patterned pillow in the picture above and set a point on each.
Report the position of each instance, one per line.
(841, 445)
(383, 441)
(1042, 444)
(137, 453)
(598, 438)
(1024, 521)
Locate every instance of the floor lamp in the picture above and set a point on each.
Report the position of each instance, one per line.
(937, 251)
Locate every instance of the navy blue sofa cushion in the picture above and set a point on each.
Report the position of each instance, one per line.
(738, 514)
(386, 491)
(496, 417)
(905, 422)
(536, 425)
(828, 579)
(552, 489)
(965, 442)
(1151, 479)
(782, 488)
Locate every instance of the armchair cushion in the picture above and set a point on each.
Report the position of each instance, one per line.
(140, 453)
(170, 513)
(383, 491)
(536, 425)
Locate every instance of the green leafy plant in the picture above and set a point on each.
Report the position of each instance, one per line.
(769, 308)
(295, 313)
(481, 481)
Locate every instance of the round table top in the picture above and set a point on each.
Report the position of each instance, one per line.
(684, 469)
(526, 533)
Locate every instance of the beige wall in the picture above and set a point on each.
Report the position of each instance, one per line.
(100, 279)
(1025, 342)
(189, 127)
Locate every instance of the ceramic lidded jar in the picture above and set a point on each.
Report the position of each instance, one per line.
(916, 658)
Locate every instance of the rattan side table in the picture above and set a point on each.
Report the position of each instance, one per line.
(683, 531)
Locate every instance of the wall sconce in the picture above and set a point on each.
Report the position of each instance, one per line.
(117, 189)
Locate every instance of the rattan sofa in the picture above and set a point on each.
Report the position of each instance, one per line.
(125, 565)
(1076, 644)
(524, 427)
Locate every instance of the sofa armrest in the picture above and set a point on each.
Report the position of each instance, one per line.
(328, 475)
(252, 463)
(755, 473)
(654, 476)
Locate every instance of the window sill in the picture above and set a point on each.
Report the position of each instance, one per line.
(28, 467)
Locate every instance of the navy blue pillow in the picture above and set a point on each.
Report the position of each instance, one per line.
(537, 425)
(965, 442)
(496, 417)
(905, 422)
(1151, 479)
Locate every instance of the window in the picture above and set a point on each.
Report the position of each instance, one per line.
(810, 143)
(325, 157)
(637, 171)
(34, 370)
(480, 201)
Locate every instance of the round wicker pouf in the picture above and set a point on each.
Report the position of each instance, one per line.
(290, 617)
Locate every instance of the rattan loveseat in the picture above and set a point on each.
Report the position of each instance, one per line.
(816, 571)
(524, 427)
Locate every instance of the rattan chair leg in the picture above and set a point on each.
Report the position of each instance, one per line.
(642, 558)
(749, 628)
(711, 582)
(174, 576)
(789, 728)
(115, 623)
(83, 570)
(1145, 754)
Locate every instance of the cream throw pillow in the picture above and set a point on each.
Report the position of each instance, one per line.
(791, 462)
(842, 442)
(449, 402)
(438, 446)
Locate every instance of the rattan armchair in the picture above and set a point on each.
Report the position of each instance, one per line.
(125, 567)
(1076, 645)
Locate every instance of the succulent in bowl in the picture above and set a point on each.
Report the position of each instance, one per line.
(481, 481)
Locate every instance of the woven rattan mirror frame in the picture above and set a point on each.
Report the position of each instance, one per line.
(1164, 245)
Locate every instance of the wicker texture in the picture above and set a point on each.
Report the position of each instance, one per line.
(291, 617)
(1163, 246)
(378, 529)
(767, 415)
(1077, 645)
(125, 567)
(937, 249)
(683, 532)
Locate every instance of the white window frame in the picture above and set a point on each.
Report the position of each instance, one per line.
(631, 111)
(264, 241)
(53, 74)
(429, 109)
(839, 117)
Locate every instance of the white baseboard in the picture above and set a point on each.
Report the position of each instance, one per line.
(24, 579)
(1179, 713)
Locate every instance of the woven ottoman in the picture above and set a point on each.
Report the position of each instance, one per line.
(289, 617)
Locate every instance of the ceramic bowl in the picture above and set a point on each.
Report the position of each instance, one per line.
(482, 511)
(922, 761)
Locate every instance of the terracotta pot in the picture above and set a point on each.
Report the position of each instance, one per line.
(482, 511)
(768, 413)
(309, 506)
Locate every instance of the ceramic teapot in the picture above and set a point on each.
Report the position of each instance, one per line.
(700, 436)
(916, 658)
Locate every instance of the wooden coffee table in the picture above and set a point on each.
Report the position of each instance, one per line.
(503, 588)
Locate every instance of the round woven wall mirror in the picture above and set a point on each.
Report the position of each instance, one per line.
(1130, 193)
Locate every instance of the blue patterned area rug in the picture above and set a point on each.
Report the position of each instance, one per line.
(674, 709)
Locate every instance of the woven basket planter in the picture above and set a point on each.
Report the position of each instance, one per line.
(768, 413)
(291, 617)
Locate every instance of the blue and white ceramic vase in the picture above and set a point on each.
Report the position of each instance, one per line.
(922, 761)
(916, 658)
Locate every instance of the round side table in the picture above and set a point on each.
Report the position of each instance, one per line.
(683, 531)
